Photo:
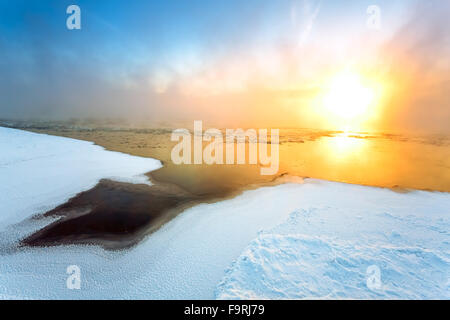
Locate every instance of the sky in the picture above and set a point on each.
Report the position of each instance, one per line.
(250, 63)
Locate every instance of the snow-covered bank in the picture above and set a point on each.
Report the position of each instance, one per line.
(39, 172)
(314, 239)
(304, 258)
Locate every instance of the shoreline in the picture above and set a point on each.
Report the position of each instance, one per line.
(129, 230)
(153, 206)
(118, 215)
(86, 219)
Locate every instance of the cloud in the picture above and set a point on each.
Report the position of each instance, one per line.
(417, 59)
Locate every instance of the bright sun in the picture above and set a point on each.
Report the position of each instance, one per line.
(347, 97)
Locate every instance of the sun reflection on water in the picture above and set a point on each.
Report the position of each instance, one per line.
(343, 146)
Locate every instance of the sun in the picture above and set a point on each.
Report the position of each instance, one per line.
(348, 97)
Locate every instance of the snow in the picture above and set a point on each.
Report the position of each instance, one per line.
(325, 248)
(39, 172)
(280, 265)
(296, 240)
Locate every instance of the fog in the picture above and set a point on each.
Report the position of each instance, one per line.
(233, 80)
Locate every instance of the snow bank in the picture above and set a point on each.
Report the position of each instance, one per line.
(329, 248)
(39, 172)
(298, 266)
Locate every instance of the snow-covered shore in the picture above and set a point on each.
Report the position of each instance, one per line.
(331, 248)
(305, 240)
(39, 172)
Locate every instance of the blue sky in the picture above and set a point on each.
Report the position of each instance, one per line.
(153, 30)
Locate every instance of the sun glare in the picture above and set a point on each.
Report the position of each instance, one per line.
(349, 99)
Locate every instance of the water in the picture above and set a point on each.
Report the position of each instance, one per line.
(381, 159)
(413, 162)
